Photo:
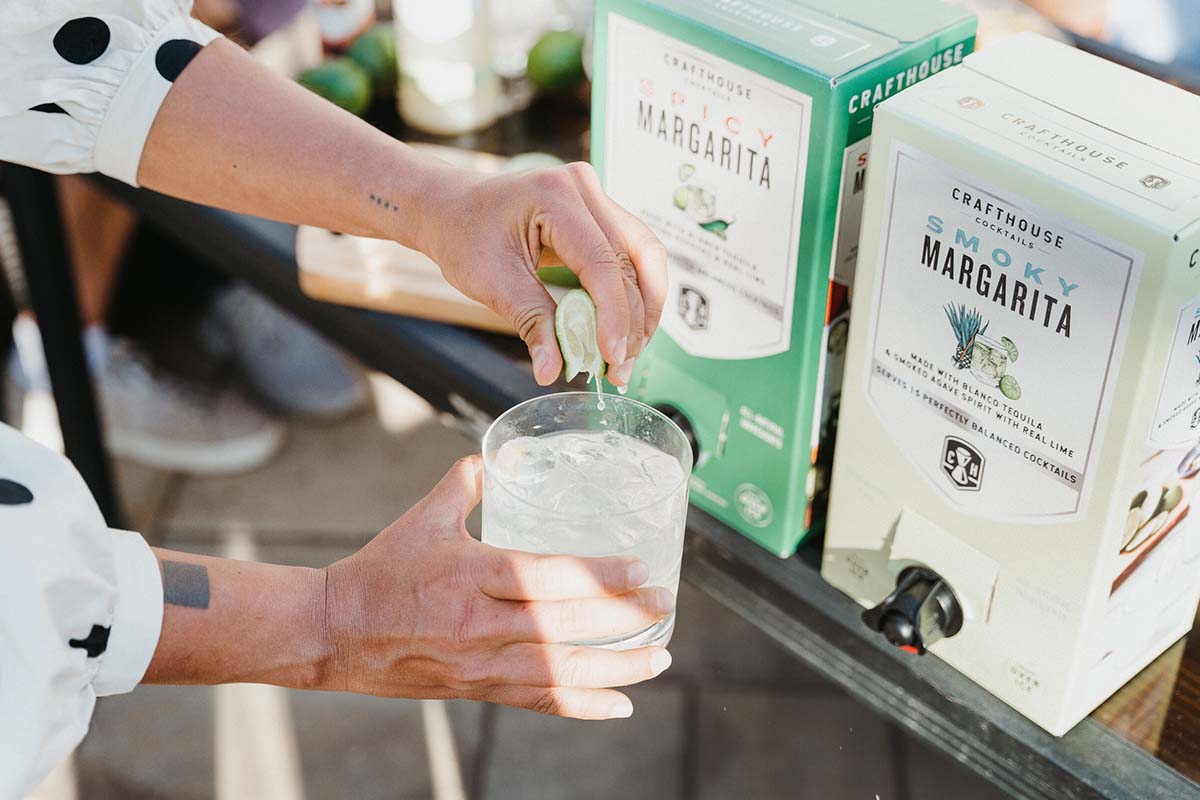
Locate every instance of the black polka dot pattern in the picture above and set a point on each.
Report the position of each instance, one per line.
(83, 40)
(49, 108)
(14, 494)
(96, 642)
(173, 56)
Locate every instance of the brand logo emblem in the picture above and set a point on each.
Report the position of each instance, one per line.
(971, 103)
(962, 463)
(1155, 182)
(693, 307)
(753, 505)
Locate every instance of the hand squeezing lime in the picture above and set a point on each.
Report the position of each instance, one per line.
(575, 325)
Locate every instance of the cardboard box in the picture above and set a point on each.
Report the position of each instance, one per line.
(1021, 410)
(738, 131)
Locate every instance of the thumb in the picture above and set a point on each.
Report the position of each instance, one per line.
(530, 309)
(459, 490)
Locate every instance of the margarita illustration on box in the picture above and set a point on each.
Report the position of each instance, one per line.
(699, 203)
(986, 357)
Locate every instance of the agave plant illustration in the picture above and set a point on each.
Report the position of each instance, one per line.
(967, 325)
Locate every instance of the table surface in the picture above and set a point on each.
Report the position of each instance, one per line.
(1143, 743)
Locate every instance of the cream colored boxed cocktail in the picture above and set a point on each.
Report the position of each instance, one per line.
(1021, 405)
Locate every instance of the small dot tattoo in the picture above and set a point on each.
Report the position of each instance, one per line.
(385, 204)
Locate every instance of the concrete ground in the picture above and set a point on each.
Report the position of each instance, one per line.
(734, 717)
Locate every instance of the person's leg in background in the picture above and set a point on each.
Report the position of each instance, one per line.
(149, 415)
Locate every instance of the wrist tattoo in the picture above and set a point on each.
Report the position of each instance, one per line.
(387, 205)
(185, 584)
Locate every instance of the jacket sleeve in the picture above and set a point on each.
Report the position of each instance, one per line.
(81, 610)
(82, 80)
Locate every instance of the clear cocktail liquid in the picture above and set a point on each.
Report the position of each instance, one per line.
(591, 493)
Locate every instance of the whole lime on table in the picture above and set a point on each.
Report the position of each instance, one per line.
(556, 61)
(340, 81)
(375, 52)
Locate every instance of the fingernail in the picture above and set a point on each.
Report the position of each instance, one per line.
(623, 372)
(659, 661)
(621, 709)
(636, 574)
(620, 346)
(541, 362)
(663, 601)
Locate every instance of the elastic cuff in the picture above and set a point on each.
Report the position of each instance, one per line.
(137, 616)
(133, 109)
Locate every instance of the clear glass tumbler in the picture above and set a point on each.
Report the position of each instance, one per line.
(565, 474)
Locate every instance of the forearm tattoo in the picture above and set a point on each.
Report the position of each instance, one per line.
(185, 584)
(387, 205)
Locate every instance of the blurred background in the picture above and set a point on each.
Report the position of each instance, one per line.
(223, 411)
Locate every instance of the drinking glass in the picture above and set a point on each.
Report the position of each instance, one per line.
(571, 474)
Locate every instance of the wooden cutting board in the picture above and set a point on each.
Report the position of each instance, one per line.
(384, 276)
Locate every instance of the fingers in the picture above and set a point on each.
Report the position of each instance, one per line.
(574, 703)
(619, 261)
(459, 490)
(644, 262)
(582, 619)
(573, 233)
(551, 665)
(513, 575)
(530, 308)
(633, 239)
(649, 257)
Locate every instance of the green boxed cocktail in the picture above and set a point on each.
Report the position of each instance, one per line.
(738, 131)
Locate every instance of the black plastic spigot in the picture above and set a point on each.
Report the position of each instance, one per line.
(689, 431)
(919, 611)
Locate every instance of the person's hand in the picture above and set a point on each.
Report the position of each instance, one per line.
(488, 234)
(425, 611)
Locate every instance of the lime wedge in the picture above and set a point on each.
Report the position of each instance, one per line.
(575, 325)
(559, 276)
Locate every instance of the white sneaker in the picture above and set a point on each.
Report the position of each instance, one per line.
(163, 421)
(282, 359)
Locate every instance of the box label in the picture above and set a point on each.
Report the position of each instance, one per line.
(1177, 413)
(998, 333)
(850, 210)
(712, 157)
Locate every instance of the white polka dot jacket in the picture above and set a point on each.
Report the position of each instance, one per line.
(81, 605)
(82, 80)
(80, 610)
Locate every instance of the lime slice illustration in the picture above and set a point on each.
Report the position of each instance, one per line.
(686, 171)
(701, 205)
(575, 325)
(681, 197)
(1010, 387)
(1011, 347)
